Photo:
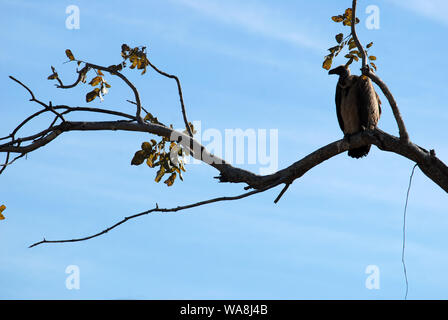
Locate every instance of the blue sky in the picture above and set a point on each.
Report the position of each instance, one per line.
(243, 64)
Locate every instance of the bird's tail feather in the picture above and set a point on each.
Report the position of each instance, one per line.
(359, 152)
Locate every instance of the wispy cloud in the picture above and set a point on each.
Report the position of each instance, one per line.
(259, 19)
(433, 9)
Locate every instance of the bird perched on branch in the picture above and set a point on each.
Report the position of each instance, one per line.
(358, 106)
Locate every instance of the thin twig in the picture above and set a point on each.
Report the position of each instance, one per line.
(404, 136)
(132, 102)
(179, 89)
(11, 162)
(33, 98)
(6, 162)
(355, 37)
(129, 83)
(156, 209)
(282, 192)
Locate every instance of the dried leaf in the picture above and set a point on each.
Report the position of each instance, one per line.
(339, 37)
(327, 63)
(2, 208)
(170, 181)
(138, 158)
(351, 45)
(160, 174)
(95, 81)
(92, 95)
(337, 18)
(69, 54)
(150, 160)
(146, 146)
(349, 62)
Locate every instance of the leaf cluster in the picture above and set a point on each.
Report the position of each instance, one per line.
(346, 42)
(102, 89)
(136, 56)
(165, 155)
(168, 157)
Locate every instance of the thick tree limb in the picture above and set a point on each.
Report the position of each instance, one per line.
(435, 169)
(431, 166)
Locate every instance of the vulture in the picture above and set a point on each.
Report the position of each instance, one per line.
(358, 106)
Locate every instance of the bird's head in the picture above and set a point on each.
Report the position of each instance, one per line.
(342, 71)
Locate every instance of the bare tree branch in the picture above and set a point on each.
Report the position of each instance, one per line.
(153, 210)
(81, 73)
(366, 71)
(427, 161)
(398, 118)
(179, 89)
(129, 83)
(33, 98)
(356, 39)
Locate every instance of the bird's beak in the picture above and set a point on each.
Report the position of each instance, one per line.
(332, 71)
